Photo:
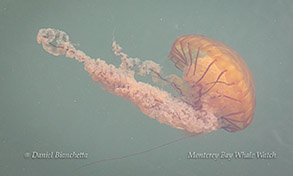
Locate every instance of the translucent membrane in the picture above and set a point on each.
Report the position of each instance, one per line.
(214, 77)
(152, 101)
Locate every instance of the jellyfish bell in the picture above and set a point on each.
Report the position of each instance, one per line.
(216, 78)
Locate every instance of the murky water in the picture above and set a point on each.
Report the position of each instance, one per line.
(50, 104)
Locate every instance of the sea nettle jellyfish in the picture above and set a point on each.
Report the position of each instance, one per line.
(216, 89)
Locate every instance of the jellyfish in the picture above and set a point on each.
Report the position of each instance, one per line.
(216, 89)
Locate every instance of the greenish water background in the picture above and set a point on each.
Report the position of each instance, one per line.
(50, 103)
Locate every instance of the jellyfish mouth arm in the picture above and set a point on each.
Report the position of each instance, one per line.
(152, 101)
(172, 83)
